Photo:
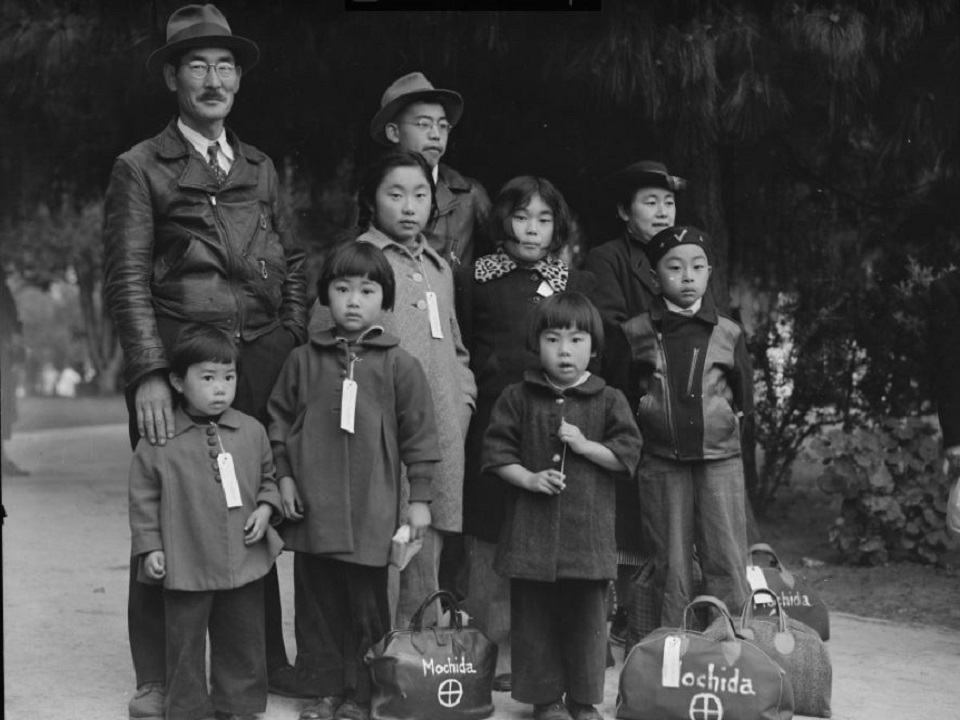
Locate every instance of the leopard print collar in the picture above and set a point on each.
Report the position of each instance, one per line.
(551, 268)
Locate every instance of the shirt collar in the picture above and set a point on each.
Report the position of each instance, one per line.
(435, 171)
(692, 310)
(200, 143)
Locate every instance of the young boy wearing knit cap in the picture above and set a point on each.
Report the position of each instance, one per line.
(696, 386)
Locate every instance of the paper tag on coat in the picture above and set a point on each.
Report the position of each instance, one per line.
(757, 581)
(228, 476)
(544, 290)
(436, 329)
(348, 405)
(670, 672)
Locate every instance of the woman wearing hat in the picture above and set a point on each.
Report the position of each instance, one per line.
(645, 198)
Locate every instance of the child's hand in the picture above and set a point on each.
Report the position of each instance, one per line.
(290, 499)
(155, 565)
(548, 482)
(256, 524)
(571, 435)
(419, 519)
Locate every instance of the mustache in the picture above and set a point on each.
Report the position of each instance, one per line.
(213, 95)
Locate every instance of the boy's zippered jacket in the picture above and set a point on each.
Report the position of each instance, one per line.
(695, 381)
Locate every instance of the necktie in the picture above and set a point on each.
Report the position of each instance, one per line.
(212, 149)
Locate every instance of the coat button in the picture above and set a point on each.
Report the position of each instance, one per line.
(213, 453)
(211, 441)
(559, 401)
(421, 304)
(534, 276)
(556, 458)
(217, 478)
(215, 465)
(417, 277)
(535, 300)
(211, 431)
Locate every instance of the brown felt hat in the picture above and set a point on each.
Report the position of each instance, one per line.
(198, 26)
(647, 173)
(412, 88)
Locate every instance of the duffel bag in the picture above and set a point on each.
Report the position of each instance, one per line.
(795, 646)
(441, 673)
(680, 674)
(796, 595)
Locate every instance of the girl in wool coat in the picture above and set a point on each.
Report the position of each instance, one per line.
(396, 199)
(560, 439)
(496, 296)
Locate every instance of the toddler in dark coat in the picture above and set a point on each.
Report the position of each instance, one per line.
(561, 438)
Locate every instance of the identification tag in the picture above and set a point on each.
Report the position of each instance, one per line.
(757, 581)
(228, 476)
(670, 671)
(348, 406)
(434, 311)
(544, 290)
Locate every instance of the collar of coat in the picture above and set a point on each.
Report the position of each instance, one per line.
(551, 268)
(452, 179)
(374, 336)
(174, 145)
(592, 386)
(376, 237)
(707, 312)
(183, 422)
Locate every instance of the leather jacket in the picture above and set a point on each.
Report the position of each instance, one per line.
(179, 247)
(462, 208)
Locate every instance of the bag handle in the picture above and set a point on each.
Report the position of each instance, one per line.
(766, 550)
(716, 603)
(416, 622)
(747, 614)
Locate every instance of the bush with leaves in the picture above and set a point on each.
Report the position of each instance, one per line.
(894, 491)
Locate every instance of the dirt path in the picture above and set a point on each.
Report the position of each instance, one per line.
(65, 546)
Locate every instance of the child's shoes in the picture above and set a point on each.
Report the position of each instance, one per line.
(582, 711)
(323, 708)
(147, 702)
(555, 710)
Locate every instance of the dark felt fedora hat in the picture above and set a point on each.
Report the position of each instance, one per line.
(647, 173)
(411, 88)
(194, 26)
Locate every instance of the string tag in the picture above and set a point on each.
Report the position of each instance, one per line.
(436, 329)
(348, 404)
(670, 671)
(545, 290)
(228, 475)
(757, 581)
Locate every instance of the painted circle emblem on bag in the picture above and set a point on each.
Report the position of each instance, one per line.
(706, 706)
(450, 693)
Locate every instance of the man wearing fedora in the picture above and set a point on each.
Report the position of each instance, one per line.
(419, 117)
(194, 231)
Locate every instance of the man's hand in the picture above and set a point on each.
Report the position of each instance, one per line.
(257, 523)
(154, 402)
(290, 499)
(419, 519)
(155, 565)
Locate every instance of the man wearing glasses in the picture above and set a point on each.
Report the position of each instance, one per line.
(418, 117)
(194, 232)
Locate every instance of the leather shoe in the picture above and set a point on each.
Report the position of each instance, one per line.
(503, 683)
(323, 708)
(147, 702)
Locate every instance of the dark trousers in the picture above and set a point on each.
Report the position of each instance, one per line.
(559, 640)
(341, 609)
(259, 365)
(238, 672)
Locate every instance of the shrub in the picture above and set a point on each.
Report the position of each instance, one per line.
(894, 491)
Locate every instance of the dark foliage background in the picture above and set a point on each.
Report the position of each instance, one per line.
(820, 139)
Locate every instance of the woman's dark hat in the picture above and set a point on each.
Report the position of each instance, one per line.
(202, 26)
(665, 240)
(647, 173)
(410, 89)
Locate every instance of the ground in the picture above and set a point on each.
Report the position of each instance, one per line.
(65, 568)
(797, 527)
